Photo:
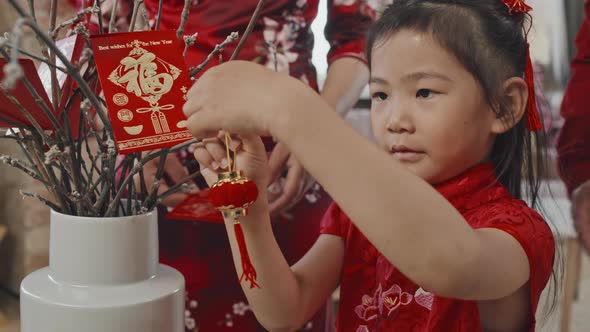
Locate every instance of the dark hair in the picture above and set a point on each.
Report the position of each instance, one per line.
(489, 42)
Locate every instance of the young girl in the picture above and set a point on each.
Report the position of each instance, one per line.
(428, 233)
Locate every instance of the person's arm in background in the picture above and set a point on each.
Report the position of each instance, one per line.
(573, 146)
(348, 73)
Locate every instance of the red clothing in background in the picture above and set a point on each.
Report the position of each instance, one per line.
(574, 141)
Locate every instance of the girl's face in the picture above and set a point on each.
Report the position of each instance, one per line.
(427, 110)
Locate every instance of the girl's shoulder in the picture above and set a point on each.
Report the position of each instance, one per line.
(508, 211)
(527, 226)
(335, 221)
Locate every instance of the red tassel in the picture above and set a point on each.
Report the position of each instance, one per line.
(248, 270)
(532, 114)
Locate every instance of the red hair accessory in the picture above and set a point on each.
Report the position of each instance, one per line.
(518, 6)
(533, 120)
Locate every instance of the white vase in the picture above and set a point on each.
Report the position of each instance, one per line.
(103, 275)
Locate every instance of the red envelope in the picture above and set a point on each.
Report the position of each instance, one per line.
(145, 80)
(10, 114)
(196, 208)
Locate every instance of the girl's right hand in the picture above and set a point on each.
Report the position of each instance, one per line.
(250, 156)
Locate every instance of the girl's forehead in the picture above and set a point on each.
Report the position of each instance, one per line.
(409, 50)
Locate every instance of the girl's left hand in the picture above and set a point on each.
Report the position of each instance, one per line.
(240, 97)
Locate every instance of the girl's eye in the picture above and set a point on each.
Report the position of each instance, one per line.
(424, 93)
(380, 96)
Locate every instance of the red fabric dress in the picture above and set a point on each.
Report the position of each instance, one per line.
(376, 297)
(200, 251)
(574, 141)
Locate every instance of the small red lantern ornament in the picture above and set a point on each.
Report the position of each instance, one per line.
(232, 194)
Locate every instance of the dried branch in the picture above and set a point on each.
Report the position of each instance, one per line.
(249, 29)
(34, 123)
(188, 42)
(136, 5)
(98, 5)
(160, 5)
(21, 165)
(52, 15)
(183, 18)
(69, 67)
(55, 91)
(152, 197)
(46, 201)
(112, 27)
(37, 58)
(21, 139)
(218, 48)
(78, 17)
(32, 9)
(83, 180)
(180, 186)
(139, 166)
(146, 20)
(40, 101)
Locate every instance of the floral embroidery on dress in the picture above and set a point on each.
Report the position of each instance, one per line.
(313, 194)
(238, 310)
(368, 309)
(382, 303)
(279, 40)
(363, 328)
(367, 7)
(190, 324)
(424, 298)
(391, 299)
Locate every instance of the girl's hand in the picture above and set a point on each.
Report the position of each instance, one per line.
(249, 154)
(243, 98)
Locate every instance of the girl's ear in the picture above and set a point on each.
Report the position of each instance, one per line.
(515, 95)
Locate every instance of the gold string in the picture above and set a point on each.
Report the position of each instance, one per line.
(229, 161)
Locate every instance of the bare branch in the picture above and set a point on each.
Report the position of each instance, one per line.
(249, 29)
(37, 58)
(21, 165)
(180, 186)
(55, 91)
(160, 4)
(139, 166)
(188, 42)
(218, 48)
(78, 17)
(136, 5)
(112, 27)
(46, 201)
(69, 67)
(98, 5)
(183, 18)
(146, 20)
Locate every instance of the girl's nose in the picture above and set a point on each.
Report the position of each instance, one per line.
(400, 121)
